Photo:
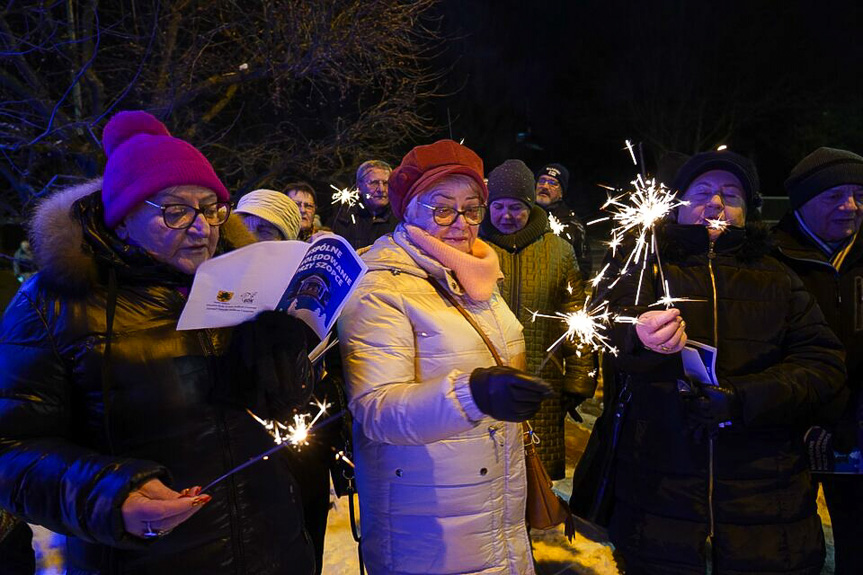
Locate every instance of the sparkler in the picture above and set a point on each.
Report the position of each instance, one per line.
(557, 228)
(584, 327)
(284, 435)
(639, 211)
(349, 196)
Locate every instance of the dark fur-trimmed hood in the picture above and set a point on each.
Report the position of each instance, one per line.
(66, 259)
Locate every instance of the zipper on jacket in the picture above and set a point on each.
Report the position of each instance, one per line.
(515, 292)
(206, 339)
(708, 544)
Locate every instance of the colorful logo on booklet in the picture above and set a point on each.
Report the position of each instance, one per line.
(224, 296)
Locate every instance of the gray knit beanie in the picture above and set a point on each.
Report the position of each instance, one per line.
(512, 179)
(822, 169)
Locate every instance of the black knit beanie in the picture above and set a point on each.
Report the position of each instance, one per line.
(512, 179)
(556, 171)
(738, 165)
(822, 169)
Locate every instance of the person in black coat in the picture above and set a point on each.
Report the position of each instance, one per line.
(110, 418)
(372, 217)
(711, 474)
(819, 238)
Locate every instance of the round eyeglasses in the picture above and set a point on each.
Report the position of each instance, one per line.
(446, 215)
(182, 216)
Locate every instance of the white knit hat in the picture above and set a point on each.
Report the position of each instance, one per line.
(273, 207)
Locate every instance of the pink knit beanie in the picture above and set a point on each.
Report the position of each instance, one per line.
(144, 159)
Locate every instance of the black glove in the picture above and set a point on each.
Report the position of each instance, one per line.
(711, 407)
(507, 394)
(269, 369)
(571, 401)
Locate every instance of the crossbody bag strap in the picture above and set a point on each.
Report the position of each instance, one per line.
(526, 427)
(469, 319)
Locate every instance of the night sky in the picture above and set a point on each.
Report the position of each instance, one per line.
(570, 81)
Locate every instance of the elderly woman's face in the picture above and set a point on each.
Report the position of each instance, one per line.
(184, 250)
(454, 194)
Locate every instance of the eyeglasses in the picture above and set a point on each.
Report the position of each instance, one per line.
(306, 206)
(703, 193)
(378, 184)
(446, 215)
(547, 181)
(182, 216)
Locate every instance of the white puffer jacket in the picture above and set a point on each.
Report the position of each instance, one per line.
(441, 486)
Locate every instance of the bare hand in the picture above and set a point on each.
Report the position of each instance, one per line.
(662, 331)
(155, 509)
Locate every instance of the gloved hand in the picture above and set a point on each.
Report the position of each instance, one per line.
(711, 407)
(270, 369)
(507, 394)
(571, 401)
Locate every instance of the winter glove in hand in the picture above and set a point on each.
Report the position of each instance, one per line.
(507, 394)
(571, 401)
(710, 408)
(275, 374)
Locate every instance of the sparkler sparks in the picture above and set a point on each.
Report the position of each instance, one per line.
(296, 434)
(631, 152)
(639, 211)
(556, 226)
(584, 327)
(345, 196)
(718, 224)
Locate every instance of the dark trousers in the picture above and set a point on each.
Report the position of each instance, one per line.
(844, 495)
(16, 551)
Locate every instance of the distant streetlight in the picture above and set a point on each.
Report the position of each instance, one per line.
(722, 147)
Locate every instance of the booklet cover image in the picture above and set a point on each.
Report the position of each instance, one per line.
(322, 282)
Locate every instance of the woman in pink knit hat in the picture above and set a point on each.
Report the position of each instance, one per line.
(438, 447)
(110, 418)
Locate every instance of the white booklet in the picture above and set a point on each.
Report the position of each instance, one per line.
(311, 281)
(699, 362)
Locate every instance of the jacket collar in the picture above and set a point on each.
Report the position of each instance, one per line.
(537, 226)
(745, 244)
(794, 243)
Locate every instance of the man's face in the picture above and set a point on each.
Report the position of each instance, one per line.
(306, 202)
(548, 190)
(374, 189)
(714, 195)
(835, 213)
(509, 215)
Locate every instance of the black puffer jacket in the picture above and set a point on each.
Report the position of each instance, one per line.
(65, 465)
(357, 225)
(775, 350)
(840, 295)
(575, 233)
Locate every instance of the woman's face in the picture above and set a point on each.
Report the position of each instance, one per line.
(455, 192)
(184, 250)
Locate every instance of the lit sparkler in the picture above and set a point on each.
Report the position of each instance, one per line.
(557, 228)
(584, 327)
(344, 196)
(718, 224)
(639, 211)
(296, 434)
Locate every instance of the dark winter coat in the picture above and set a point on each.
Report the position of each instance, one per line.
(776, 351)
(360, 227)
(68, 461)
(840, 296)
(540, 274)
(575, 233)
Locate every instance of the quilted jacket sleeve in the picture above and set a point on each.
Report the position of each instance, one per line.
(579, 362)
(44, 477)
(379, 357)
(811, 374)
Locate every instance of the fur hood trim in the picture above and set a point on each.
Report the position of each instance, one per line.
(62, 255)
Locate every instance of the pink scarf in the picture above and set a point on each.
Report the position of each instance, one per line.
(477, 272)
